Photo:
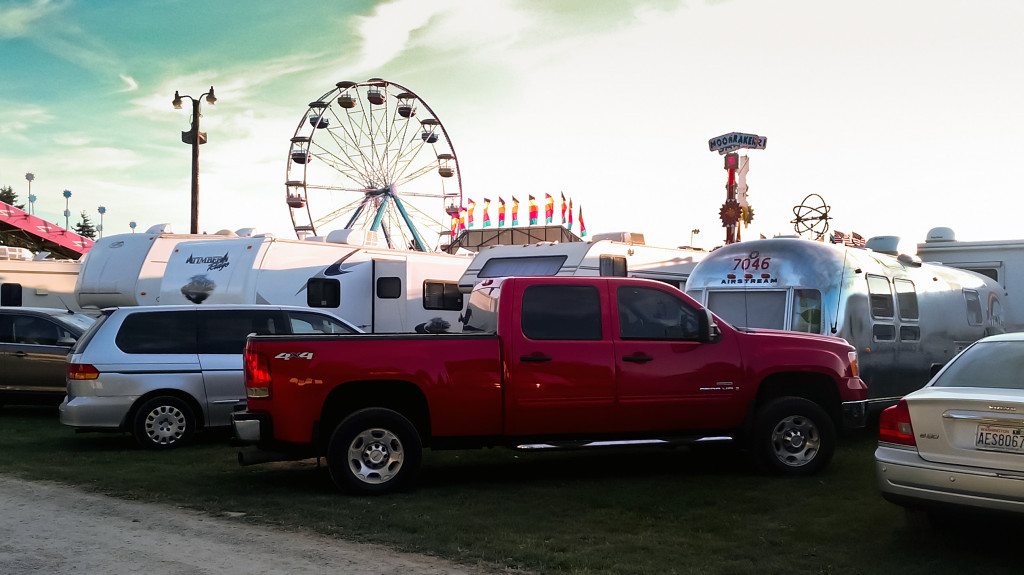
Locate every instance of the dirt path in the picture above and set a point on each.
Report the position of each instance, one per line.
(55, 529)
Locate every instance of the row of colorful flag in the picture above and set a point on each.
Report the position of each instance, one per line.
(465, 220)
(854, 239)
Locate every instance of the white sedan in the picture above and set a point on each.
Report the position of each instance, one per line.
(958, 442)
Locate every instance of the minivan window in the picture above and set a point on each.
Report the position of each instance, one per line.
(224, 331)
(313, 323)
(162, 332)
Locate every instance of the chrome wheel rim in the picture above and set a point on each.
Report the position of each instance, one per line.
(165, 425)
(795, 440)
(375, 456)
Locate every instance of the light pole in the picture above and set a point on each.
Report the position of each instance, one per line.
(30, 176)
(194, 137)
(132, 226)
(692, 232)
(67, 209)
(102, 210)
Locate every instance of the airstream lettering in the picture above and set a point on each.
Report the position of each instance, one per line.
(905, 318)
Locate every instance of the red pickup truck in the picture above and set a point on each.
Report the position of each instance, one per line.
(552, 360)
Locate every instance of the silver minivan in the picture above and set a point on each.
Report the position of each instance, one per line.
(165, 372)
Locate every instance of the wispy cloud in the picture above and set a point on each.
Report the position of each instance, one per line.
(18, 20)
(130, 84)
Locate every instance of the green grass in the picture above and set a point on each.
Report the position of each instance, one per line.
(640, 510)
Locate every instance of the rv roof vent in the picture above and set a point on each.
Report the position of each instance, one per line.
(160, 229)
(909, 260)
(353, 237)
(314, 239)
(884, 244)
(226, 233)
(245, 232)
(940, 235)
(625, 237)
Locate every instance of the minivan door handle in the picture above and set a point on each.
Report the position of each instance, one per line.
(535, 357)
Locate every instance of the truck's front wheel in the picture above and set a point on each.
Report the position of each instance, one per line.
(792, 436)
(374, 451)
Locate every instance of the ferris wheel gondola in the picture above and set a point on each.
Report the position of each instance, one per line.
(373, 156)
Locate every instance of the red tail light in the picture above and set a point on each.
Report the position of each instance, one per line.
(894, 425)
(82, 371)
(257, 376)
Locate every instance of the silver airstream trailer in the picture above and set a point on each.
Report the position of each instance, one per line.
(905, 318)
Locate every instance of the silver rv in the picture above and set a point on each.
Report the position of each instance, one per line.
(905, 318)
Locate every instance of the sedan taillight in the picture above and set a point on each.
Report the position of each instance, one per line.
(894, 425)
(82, 371)
(257, 376)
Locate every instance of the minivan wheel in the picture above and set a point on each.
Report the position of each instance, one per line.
(164, 423)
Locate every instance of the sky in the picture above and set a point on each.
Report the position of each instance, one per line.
(902, 116)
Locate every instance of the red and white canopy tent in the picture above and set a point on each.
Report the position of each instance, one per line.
(37, 234)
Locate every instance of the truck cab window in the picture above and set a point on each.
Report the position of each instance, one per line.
(880, 294)
(561, 312)
(646, 313)
(764, 309)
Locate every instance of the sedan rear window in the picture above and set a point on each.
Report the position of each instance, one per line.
(996, 364)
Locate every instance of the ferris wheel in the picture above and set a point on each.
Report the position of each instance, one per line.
(373, 156)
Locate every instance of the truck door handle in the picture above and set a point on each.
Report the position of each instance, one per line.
(637, 358)
(535, 357)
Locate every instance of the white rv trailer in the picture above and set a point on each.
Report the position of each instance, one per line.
(905, 318)
(378, 289)
(1001, 260)
(32, 280)
(613, 254)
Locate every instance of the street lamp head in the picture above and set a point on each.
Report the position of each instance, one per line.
(210, 97)
(176, 101)
(67, 193)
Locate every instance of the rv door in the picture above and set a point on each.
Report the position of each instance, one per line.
(390, 296)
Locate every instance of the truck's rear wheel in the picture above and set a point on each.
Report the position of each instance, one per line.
(374, 451)
(792, 436)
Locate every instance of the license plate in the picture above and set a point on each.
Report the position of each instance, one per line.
(999, 438)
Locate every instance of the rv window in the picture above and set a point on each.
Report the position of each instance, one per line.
(525, 266)
(974, 316)
(389, 288)
(910, 333)
(441, 295)
(10, 294)
(646, 313)
(613, 266)
(161, 332)
(565, 312)
(806, 311)
(881, 297)
(323, 292)
(987, 272)
(884, 332)
(906, 297)
(765, 309)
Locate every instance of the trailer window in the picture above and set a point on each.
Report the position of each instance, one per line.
(524, 266)
(881, 297)
(974, 315)
(323, 292)
(765, 309)
(613, 266)
(10, 294)
(906, 297)
(389, 287)
(441, 295)
(910, 333)
(561, 312)
(806, 311)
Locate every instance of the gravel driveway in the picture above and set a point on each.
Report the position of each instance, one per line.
(55, 529)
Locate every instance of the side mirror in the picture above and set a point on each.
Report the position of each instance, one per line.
(66, 341)
(709, 330)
